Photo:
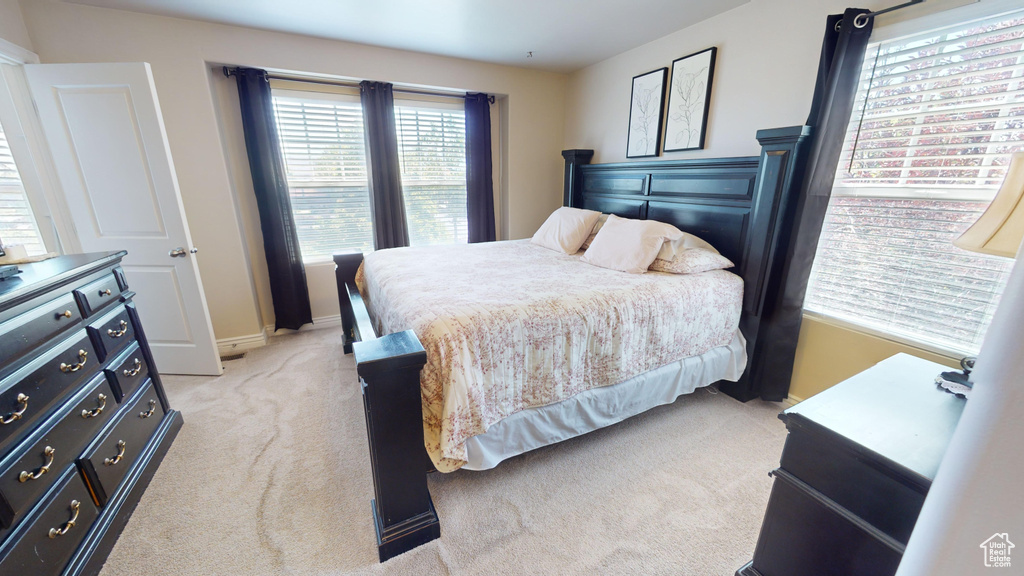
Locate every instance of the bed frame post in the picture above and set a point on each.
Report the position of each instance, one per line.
(345, 267)
(779, 172)
(572, 185)
(389, 376)
(389, 372)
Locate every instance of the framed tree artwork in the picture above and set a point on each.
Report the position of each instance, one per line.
(689, 98)
(645, 114)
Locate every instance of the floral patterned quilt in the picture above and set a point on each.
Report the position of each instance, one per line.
(508, 326)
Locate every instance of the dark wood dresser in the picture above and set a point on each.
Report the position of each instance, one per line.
(84, 421)
(856, 467)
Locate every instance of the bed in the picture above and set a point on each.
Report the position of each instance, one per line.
(511, 327)
(466, 359)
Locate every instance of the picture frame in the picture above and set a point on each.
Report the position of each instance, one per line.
(689, 99)
(646, 101)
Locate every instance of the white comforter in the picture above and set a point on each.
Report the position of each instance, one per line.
(510, 325)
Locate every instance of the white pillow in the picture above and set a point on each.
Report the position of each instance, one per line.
(685, 241)
(628, 245)
(692, 261)
(689, 254)
(566, 229)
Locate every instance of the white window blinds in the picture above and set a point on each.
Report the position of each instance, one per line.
(940, 111)
(432, 154)
(325, 160)
(17, 223)
(936, 119)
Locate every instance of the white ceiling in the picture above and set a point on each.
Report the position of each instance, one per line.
(564, 35)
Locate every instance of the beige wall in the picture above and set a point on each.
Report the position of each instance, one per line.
(12, 24)
(763, 78)
(205, 136)
(828, 354)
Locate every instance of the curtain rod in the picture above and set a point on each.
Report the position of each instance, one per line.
(869, 15)
(892, 8)
(231, 72)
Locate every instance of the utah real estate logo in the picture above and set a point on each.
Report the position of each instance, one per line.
(997, 550)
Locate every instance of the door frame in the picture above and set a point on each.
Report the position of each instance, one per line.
(31, 154)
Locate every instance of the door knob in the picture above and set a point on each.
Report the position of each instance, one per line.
(194, 250)
(178, 252)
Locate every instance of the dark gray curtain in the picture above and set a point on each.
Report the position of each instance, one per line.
(386, 204)
(842, 55)
(479, 182)
(280, 240)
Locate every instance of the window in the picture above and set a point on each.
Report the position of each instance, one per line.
(936, 120)
(17, 223)
(325, 161)
(322, 142)
(432, 154)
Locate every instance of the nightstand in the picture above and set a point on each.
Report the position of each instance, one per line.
(854, 472)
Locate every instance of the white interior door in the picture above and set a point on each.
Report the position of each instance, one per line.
(109, 146)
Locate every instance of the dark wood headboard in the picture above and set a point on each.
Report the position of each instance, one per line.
(742, 206)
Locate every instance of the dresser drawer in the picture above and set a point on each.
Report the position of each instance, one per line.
(21, 334)
(33, 391)
(127, 371)
(95, 296)
(877, 493)
(805, 534)
(29, 470)
(109, 459)
(47, 540)
(111, 333)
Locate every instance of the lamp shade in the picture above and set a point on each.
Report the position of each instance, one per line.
(1001, 227)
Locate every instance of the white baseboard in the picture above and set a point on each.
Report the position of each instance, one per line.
(318, 323)
(324, 322)
(792, 400)
(229, 346)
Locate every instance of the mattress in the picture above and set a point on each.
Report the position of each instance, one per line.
(510, 326)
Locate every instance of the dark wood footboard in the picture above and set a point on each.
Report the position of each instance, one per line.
(389, 374)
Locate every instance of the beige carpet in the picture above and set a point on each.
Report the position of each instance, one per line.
(270, 475)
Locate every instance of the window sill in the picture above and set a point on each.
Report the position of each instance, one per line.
(953, 355)
(318, 263)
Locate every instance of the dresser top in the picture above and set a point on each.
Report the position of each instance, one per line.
(39, 277)
(893, 409)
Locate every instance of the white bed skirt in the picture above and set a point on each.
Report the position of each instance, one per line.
(604, 406)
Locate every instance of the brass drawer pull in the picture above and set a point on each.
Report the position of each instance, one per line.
(118, 333)
(120, 454)
(83, 357)
(102, 399)
(105, 292)
(134, 371)
(26, 476)
(75, 506)
(64, 314)
(150, 412)
(14, 416)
